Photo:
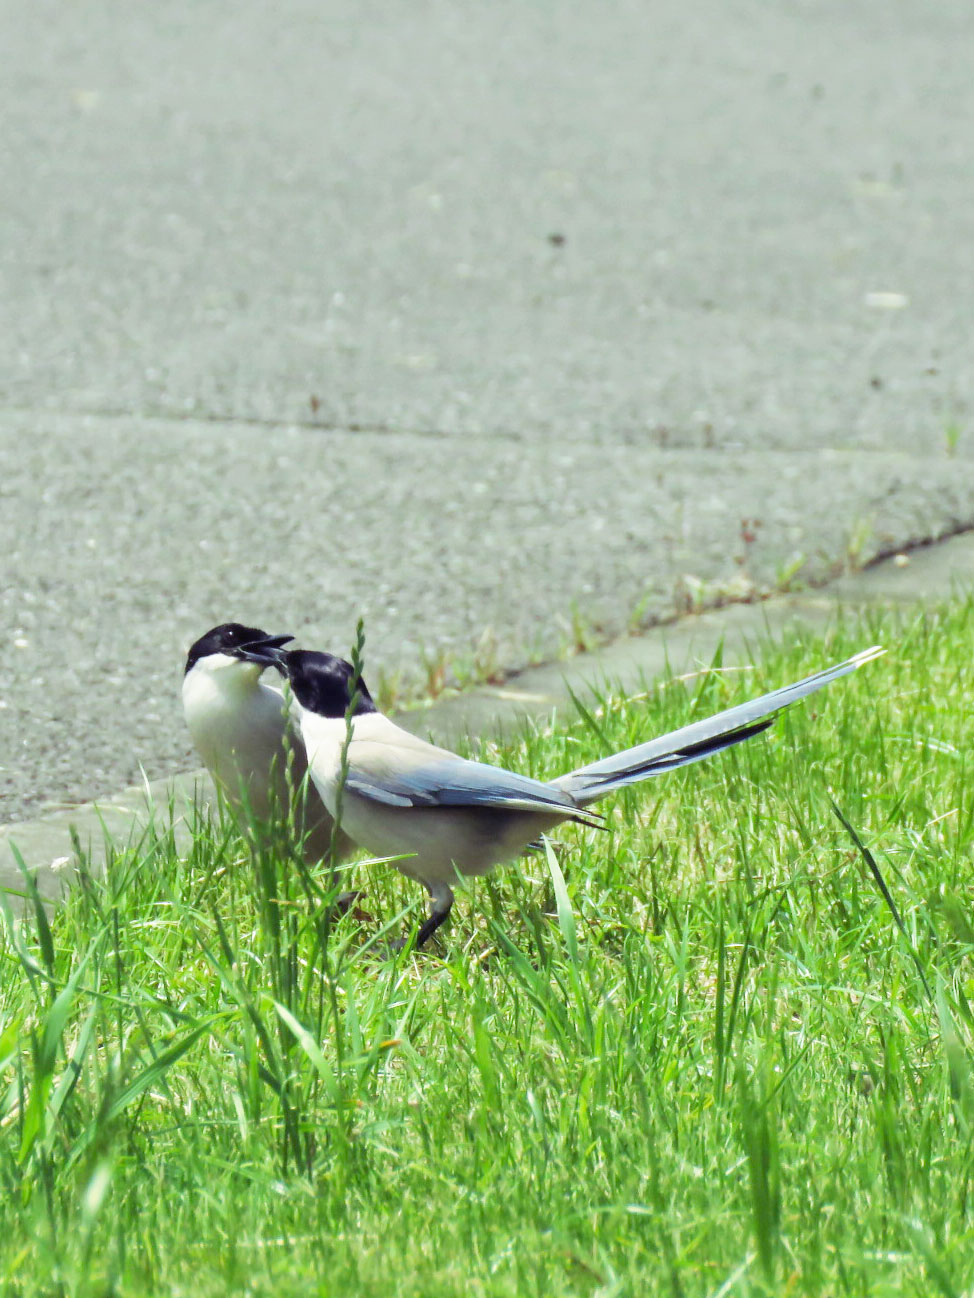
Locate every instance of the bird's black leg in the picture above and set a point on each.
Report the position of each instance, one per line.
(442, 898)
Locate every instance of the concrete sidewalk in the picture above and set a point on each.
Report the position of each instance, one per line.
(466, 318)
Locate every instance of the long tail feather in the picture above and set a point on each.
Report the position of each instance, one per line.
(700, 739)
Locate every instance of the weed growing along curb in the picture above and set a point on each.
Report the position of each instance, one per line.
(690, 1055)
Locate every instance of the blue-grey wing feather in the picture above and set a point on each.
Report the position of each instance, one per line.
(391, 797)
(440, 780)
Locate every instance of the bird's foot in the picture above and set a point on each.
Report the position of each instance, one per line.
(346, 900)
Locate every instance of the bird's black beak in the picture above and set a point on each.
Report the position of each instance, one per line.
(269, 652)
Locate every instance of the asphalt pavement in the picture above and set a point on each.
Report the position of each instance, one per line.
(485, 321)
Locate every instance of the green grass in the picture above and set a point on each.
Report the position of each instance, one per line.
(693, 1055)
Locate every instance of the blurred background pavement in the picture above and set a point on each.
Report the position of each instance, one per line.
(488, 321)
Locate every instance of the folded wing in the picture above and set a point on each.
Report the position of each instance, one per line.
(416, 775)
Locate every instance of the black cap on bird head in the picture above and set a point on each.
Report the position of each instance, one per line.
(229, 638)
(325, 684)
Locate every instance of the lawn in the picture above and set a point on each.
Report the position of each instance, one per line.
(692, 1055)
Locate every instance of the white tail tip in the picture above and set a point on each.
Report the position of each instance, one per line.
(867, 655)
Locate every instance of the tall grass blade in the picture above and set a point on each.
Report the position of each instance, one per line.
(870, 860)
(566, 916)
